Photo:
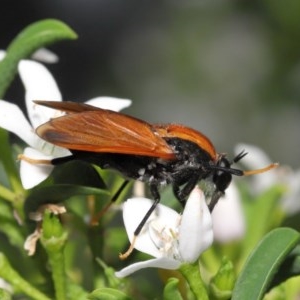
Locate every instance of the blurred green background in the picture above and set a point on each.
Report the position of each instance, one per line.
(230, 69)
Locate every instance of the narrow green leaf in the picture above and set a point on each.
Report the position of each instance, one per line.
(37, 35)
(171, 291)
(8, 161)
(107, 294)
(18, 282)
(113, 281)
(4, 295)
(263, 263)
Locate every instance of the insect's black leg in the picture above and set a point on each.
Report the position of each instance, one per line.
(182, 194)
(62, 160)
(119, 191)
(96, 217)
(55, 161)
(214, 199)
(155, 193)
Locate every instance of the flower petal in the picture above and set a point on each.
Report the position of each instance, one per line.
(163, 263)
(195, 231)
(290, 201)
(13, 120)
(228, 217)
(134, 210)
(31, 174)
(45, 55)
(31, 241)
(2, 54)
(115, 104)
(39, 85)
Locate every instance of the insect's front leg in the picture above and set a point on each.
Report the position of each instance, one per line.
(214, 199)
(182, 194)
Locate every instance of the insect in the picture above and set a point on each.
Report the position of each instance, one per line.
(159, 154)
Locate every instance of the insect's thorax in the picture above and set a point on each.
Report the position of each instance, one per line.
(189, 159)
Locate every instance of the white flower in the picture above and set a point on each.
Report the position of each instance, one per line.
(228, 217)
(170, 238)
(40, 85)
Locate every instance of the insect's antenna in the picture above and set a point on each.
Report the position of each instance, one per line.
(239, 156)
(250, 172)
(262, 170)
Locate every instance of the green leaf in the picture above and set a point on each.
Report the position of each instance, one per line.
(263, 221)
(263, 263)
(289, 268)
(76, 172)
(171, 290)
(71, 179)
(222, 283)
(107, 294)
(37, 35)
(58, 193)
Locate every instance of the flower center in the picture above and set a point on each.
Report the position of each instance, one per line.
(165, 239)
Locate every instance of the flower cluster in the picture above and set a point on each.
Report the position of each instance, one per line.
(40, 84)
(172, 239)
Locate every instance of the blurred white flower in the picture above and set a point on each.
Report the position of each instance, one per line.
(228, 217)
(282, 175)
(40, 85)
(172, 239)
(257, 159)
(290, 201)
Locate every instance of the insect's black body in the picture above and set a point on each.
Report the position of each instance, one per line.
(191, 165)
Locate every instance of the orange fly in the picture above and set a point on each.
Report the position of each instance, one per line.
(158, 154)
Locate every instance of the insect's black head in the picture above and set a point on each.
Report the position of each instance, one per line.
(223, 171)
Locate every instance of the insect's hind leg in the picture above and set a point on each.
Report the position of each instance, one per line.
(37, 161)
(115, 197)
(156, 196)
(62, 160)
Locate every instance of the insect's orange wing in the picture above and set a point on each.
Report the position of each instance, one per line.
(67, 106)
(98, 130)
(189, 134)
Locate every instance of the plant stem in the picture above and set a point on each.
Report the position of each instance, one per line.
(54, 240)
